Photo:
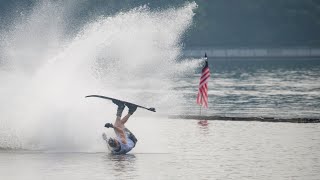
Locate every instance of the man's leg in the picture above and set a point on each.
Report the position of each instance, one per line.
(132, 109)
(120, 109)
(125, 118)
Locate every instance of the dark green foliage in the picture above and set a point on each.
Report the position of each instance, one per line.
(223, 23)
(257, 23)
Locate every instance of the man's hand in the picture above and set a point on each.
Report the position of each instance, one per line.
(108, 125)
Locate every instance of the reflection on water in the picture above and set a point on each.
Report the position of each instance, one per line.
(204, 127)
(203, 123)
(122, 165)
(120, 158)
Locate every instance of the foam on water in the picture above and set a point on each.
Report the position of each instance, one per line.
(45, 74)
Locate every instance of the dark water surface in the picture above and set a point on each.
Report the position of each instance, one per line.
(281, 88)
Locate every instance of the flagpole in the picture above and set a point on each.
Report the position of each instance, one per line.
(205, 74)
(200, 104)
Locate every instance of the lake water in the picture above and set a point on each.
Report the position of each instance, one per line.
(281, 88)
(184, 149)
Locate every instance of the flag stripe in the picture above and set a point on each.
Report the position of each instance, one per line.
(204, 81)
(202, 97)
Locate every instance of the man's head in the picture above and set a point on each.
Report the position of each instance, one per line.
(113, 143)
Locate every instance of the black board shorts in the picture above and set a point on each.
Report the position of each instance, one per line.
(131, 136)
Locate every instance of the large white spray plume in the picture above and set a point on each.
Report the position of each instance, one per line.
(44, 76)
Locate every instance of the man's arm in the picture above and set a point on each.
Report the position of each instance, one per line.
(117, 131)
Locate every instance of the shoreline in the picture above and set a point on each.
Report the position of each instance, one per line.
(260, 119)
(254, 53)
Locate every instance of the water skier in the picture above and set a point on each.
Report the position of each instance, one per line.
(125, 140)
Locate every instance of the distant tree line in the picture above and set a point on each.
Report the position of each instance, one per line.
(267, 23)
(221, 23)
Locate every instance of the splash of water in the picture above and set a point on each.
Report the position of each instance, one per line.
(44, 75)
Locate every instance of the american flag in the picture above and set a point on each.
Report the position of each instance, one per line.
(202, 98)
